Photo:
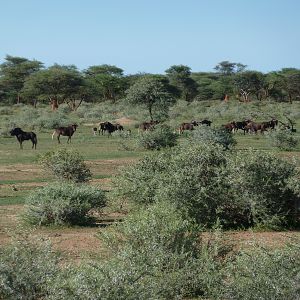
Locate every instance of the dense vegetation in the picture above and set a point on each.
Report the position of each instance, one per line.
(175, 201)
(28, 81)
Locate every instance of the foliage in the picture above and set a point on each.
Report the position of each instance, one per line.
(13, 73)
(261, 181)
(207, 184)
(150, 91)
(28, 267)
(205, 134)
(107, 81)
(62, 203)
(283, 140)
(153, 254)
(180, 77)
(260, 273)
(161, 136)
(57, 83)
(229, 68)
(66, 165)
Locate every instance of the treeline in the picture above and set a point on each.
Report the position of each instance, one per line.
(28, 81)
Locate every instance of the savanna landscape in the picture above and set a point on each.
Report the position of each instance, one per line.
(177, 209)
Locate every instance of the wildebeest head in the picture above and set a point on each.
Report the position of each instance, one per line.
(74, 126)
(16, 131)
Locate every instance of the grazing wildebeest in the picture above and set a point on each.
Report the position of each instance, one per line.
(185, 126)
(270, 124)
(109, 127)
(254, 127)
(203, 122)
(147, 125)
(95, 129)
(65, 131)
(23, 136)
(230, 126)
(101, 128)
(118, 127)
(241, 125)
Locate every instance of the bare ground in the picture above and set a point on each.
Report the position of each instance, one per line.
(82, 242)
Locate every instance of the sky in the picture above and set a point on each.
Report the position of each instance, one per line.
(152, 35)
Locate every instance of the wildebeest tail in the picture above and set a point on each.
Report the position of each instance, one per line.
(53, 134)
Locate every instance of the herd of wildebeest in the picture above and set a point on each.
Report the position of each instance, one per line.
(247, 126)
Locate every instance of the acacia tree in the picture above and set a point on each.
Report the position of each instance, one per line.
(57, 84)
(180, 77)
(248, 82)
(107, 81)
(13, 73)
(226, 71)
(291, 82)
(229, 68)
(150, 91)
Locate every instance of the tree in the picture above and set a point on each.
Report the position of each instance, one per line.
(180, 77)
(248, 82)
(13, 74)
(291, 82)
(229, 68)
(57, 84)
(106, 80)
(151, 92)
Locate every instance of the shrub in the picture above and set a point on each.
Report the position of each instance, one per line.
(205, 134)
(52, 120)
(188, 176)
(27, 268)
(261, 181)
(283, 140)
(154, 254)
(66, 165)
(62, 203)
(160, 137)
(260, 273)
(208, 184)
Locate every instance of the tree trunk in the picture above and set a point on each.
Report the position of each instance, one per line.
(34, 103)
(226, 98)
(150, 112)
(54, 104)
(18, 98)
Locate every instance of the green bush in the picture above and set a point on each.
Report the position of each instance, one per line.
(62, 203)
(240, 189)
(161, 136)
(260, 273)
(283, 140)
(52, 120)
(154, 254)
(27, 268)
(205, 134)
(262, 182)
(189, 176)
(66, 165)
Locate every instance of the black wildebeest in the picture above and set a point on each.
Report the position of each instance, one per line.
(203, 122)
(65, 131)
(241, 125)
(23, 136)
(109, 127)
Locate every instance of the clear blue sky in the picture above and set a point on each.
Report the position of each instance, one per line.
(151, 35)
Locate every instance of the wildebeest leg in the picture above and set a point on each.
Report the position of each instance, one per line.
(20, 141)
(58, 138)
